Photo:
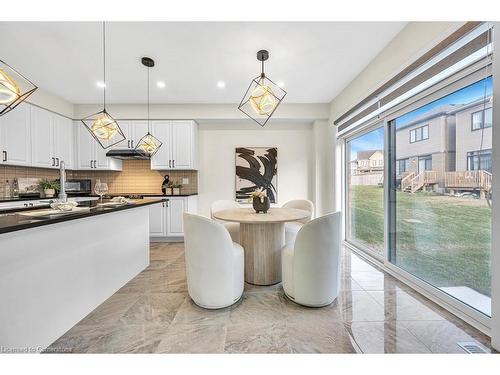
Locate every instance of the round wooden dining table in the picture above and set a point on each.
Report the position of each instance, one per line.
(262, 237)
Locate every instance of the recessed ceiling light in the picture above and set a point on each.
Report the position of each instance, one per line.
(281, 84)
(101, 84)
(221, 84)
(160, 84)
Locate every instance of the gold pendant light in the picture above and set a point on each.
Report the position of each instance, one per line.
(102, 125)
(148, 145)
(14, 88)
(262, 97)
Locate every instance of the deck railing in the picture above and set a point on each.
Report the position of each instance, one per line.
(468, 180)
(414, 182)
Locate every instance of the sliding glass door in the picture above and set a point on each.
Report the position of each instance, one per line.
(441, 211)
(365, 190)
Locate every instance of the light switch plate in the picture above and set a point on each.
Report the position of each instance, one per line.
(185, 181)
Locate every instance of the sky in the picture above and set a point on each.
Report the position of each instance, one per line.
(375, 139)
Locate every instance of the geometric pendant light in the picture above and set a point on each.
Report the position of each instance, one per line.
(148, 145)
(102, 125)
(263, 96)
(14, 88)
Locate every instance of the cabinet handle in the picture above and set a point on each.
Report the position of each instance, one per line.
(4, 155)
(53, 162)
(95, 163)
(170, 163)
(173, 163)
(128, 143)
(132, 143)
(57, 162)
(167, 202)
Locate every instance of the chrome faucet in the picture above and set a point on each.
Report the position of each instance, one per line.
(62, 180)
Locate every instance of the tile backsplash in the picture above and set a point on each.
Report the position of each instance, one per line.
(136, 177)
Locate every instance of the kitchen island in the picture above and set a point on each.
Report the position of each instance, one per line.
(56, 268)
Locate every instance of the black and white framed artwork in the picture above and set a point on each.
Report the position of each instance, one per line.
(256, 167)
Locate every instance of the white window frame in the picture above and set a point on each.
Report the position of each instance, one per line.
(460, 309)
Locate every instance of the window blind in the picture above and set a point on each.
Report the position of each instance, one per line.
(470, 40)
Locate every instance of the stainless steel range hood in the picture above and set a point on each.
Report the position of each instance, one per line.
(126, 154)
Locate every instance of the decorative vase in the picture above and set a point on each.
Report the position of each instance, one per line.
(49, 193)
(176, 191)
(261, 205)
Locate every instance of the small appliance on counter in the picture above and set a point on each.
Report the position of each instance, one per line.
(78, 187)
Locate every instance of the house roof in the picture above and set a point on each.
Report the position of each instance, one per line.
(363, 155)
(443, 110)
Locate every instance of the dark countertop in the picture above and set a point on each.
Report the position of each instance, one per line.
(29, 198)
(11, 221)
(148, 195)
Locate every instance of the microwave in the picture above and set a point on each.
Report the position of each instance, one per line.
(78, 187)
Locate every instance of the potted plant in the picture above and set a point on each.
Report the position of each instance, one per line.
(176, 188)
(260, 200)
(49, 187)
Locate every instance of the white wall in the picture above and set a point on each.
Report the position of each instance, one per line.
(51, 102)
(216, 176)
(413, 41)
(495, 224)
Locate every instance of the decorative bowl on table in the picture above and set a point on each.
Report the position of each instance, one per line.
(64, 206)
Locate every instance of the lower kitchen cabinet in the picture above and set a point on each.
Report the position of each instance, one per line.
(166, 219)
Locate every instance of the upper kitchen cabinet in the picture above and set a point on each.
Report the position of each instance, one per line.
(133, 131)
(15, 136)
(52, 139)
(180, 145)
(42, 140)
(64, 141)
(90, 155)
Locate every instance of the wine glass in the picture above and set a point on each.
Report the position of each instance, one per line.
(100, 188)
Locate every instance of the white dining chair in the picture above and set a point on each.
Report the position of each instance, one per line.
(293, 227)
(233, 228)
(214, 263)
(311, 267)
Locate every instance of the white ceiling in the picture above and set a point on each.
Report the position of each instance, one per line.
(315, 60)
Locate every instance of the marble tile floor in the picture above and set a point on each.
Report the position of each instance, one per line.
(374, 313)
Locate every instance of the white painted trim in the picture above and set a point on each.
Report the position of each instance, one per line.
(495, 219)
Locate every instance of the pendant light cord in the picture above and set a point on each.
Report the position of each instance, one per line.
(104, 59)
(148, 100)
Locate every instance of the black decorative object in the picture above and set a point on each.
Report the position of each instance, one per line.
(148, 145)
(256, 168)
(261, 204)
(263, 96)
(14, 88)
(103, 127)
(164, 185)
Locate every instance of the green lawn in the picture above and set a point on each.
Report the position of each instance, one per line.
(443, 240)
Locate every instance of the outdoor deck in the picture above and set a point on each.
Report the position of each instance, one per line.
(468, 180)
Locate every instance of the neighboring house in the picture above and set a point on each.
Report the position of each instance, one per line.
(474, 123)
(425, 149)
(368, 168)
(447, 149)
(368, 162)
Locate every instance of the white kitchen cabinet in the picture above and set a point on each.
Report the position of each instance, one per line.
(15, 136)
(42, 138)
(90, 154)
(180, 145)
(166, 220)
(64, 141)
(158, 220)
(52, 139)
(133, 131)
